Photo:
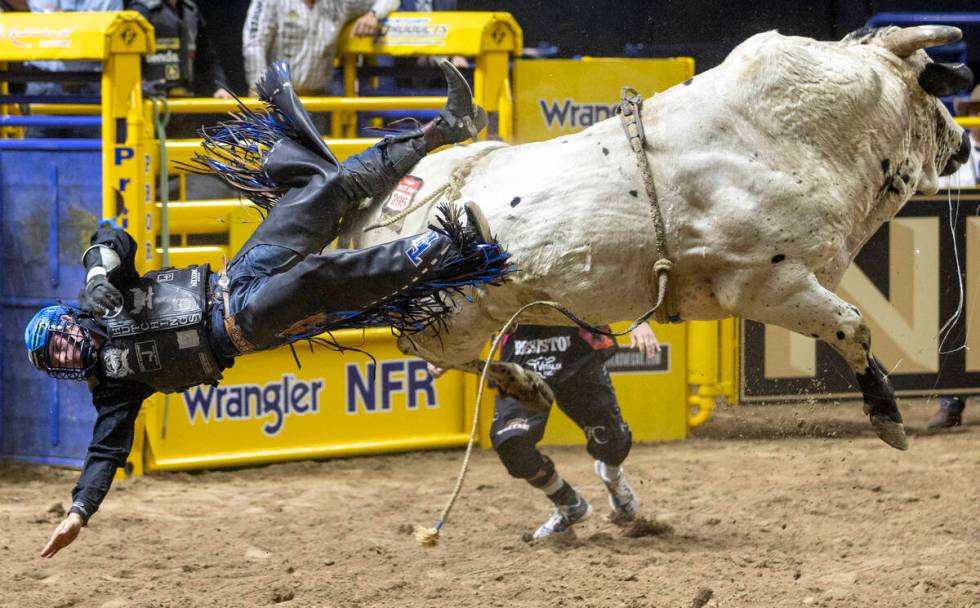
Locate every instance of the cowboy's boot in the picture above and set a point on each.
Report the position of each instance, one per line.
(461, 119)
(949, 414)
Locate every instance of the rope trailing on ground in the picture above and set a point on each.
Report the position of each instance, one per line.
(428, 537)
(452, 189)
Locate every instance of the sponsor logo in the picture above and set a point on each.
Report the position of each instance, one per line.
(147, 356)
(570, 115)
(631, 360)
(542, 345)
(141, 299)
(115, 362)
(41, 37)
(275, 400)
(371, 390)
(167, 57)
(546, 366)
(515, 424)
(188, 339)
(128, 328)
(594, 434)
(413, 31)
(184, 304)
(420, 245)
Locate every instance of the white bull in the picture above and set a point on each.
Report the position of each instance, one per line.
(772, 170)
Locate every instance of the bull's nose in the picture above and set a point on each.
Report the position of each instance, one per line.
(962, 155)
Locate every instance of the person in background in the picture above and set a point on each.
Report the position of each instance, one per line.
(948, 414)
(572, 363)
(968, 175)
(427, 6)
(57, 89)
(13, 6)
(304, 33)
(183, 63)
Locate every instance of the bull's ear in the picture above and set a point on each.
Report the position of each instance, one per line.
(908, 40)
(941, 79)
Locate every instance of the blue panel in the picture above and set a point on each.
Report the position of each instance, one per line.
(923, 18)
(43, 420)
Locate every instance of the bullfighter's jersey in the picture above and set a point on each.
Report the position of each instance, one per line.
(557, 353)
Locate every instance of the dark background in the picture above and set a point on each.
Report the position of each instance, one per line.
(703, 29)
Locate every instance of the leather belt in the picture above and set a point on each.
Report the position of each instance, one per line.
(235, 335)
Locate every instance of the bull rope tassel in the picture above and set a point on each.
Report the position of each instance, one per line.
(631, 104)
(452, 189)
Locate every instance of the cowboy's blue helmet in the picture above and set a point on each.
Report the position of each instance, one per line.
(40, 338)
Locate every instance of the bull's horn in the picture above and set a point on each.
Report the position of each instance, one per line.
(908, 40)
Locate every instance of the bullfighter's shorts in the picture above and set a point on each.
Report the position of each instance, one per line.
(588, 399)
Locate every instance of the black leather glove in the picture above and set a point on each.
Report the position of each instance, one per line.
(100, 297)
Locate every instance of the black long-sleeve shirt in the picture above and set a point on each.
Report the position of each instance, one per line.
(117, 402)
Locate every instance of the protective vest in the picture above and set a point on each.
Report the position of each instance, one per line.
(171, 66)
(160, 336)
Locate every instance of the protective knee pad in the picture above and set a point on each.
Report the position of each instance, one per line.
(610, 445)
(522, 459)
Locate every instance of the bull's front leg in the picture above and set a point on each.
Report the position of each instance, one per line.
(794, 299)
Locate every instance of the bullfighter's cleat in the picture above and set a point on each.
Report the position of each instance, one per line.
(622, 498)
(949, 414)
(460, 119)
(565, 516)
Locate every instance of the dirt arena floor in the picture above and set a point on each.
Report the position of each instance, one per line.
(769, 507)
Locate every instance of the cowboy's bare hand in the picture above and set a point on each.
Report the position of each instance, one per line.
(434, 371)
(366, 26)
(643, 339)
(64, 534)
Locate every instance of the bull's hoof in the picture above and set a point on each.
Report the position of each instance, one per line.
(538, 398)
(891, 432)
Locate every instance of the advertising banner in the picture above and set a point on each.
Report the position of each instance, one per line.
(554, 97)
(917, 285)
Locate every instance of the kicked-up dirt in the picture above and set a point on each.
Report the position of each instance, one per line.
(766, 506)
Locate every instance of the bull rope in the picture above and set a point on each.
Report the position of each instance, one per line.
(452, 189)
(630, 105)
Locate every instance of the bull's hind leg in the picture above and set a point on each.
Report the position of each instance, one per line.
(459, 348)
(799, 303)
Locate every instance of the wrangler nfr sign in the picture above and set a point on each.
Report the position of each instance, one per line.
(917, 284)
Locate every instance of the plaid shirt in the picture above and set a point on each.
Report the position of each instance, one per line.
(305, 37)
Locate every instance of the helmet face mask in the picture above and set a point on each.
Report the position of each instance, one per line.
(59, 346)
